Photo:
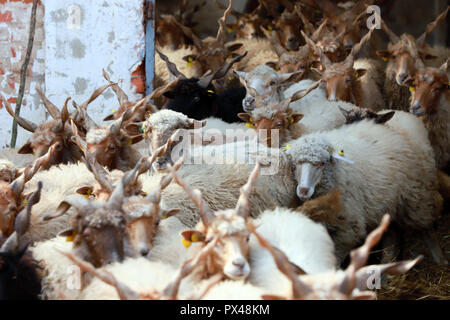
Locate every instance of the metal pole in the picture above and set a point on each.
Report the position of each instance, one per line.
(149, 45)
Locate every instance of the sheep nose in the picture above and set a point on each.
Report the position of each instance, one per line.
(292, 39)
(239, 263)
(144, 252)
(402, 77)
(248, 104)
(416, 109)
(303, 191)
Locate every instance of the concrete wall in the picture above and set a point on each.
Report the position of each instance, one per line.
(75, 40)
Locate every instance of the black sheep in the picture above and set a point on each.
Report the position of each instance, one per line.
(19, 279)
(197, 98)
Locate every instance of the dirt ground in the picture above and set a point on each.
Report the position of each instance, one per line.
(426, 281)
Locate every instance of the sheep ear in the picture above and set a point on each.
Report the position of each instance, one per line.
(195, 124)
(384, 54)
(169, 213)
(241, 75)
(26, 149)
(244, 116)
(285, 78)
(189, 236)
(234, 47)
(382, 118)
(85, 191)
(66, 233)
(273, 65)
(169, 94)
(109, 118)
(295, 117)
(338, 155)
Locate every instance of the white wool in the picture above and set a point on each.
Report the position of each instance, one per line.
(383, 178)
(234, 290)
(220, 183)
(58, 183)
(58, 271)
(95, 136)
(305, 242)
(318, 113)
(166, 119)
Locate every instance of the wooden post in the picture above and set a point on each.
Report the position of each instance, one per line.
(149, 45)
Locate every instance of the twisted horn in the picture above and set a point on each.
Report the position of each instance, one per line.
(24, 123)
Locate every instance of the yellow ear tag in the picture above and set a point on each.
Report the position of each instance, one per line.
(88, 195)
(316, 11)
(277, 69)
(229, 30)
(189, 62)
(210, 91)
(287, 147)
(24, 202)
(341, 152)
(291, 120)
(113, 110)
(412, 89)
(164, 216)
(356, 75)
(249, 125)
(71, 238)
(269, 28)
(185, 243)
(149, 115)
(384, 58)
(194, 238)
(130, 142)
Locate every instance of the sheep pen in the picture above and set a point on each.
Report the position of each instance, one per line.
(225, 150)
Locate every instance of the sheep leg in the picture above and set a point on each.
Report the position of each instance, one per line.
(431, 241)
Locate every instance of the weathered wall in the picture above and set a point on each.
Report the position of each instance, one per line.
(74, 41)
(14, 28)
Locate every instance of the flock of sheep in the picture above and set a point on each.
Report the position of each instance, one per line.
(361, 150)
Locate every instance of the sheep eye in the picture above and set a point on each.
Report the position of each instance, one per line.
(272, 83)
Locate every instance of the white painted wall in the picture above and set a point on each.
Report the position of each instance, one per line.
(80, 38)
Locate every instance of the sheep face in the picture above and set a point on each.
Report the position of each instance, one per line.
(8, 171)
(103, 145)
(288, 29)
(428, 86)
(248, 26)
(264, 81)
(8, 208)
(100, 234)
(310, 158)
(230, 255)
(160, 127)
(271, 122)
(45, 136)
(169, 34)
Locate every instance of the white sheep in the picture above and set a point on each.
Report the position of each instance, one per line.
(306, 243)
(382, 177)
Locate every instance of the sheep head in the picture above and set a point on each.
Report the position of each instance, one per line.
(427, 88)
(163, 125)
(12, 197)
(8, 171)
(265, 82)
(287, 27)
(227, 228)
(400, 59)
(358, 114)
(278, 117)
(312, 158)
(340, 78)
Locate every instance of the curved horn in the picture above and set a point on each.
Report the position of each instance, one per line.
(155, 195)
(302, 93)
(430, 28)
(170, 65)
(118, 195)
(205, 212)
(315, 36)
(124, 292)
(51, 108)
(11, 244)
(82, 205)
(299, 288)
(24, 123)
(355, 50)
(221, 34)
(18, 185)
(121, 95)
(360, 256)
(393, 38)
(95, 94)
(221, 72)
(64, 116)
(243, 205)
(22, 221)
